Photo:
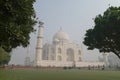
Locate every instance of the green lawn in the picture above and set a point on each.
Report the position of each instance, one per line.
(58, 75)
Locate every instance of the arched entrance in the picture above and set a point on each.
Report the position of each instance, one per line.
(70, 54)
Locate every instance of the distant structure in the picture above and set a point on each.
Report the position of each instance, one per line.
(113, 61)
(60, 53)
(27, 59)
(110, 60)
(105, 59)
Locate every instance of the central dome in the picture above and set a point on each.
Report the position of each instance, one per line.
(61, 36)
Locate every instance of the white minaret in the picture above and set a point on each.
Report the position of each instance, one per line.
(39, 45)
(105, 58)
(27, 59)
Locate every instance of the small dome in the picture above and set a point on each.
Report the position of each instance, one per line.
(61, 35)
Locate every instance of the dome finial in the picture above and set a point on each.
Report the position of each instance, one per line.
(41, 23)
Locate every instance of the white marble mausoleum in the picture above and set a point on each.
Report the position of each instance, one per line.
(61, 52)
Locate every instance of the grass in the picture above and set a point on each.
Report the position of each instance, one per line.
(58, 75)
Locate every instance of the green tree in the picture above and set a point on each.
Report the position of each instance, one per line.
(16, 23)
(105, 35)
(4, 57)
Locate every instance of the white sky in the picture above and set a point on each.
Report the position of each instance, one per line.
(74, 16)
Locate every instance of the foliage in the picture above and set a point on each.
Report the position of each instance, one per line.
(16, 23)
(4, 57)
(105, 35)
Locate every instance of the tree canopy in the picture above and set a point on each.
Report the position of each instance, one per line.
(17, 18)
(105, 35)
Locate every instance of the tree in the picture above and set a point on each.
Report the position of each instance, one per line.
(4, 57)
(105, 36)
(16, 23)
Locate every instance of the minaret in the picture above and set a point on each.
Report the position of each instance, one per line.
(27, 59)
(39, 45)
(105, 58)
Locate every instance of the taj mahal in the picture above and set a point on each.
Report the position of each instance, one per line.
(60, 53)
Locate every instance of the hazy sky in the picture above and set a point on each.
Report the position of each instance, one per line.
(74, 16)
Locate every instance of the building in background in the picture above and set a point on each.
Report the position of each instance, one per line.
(62, 52)
(113, 61)
(27, 59)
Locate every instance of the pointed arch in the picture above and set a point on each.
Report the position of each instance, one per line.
(79, 52)
(59, 58)
(59, 50)
(70, 54)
